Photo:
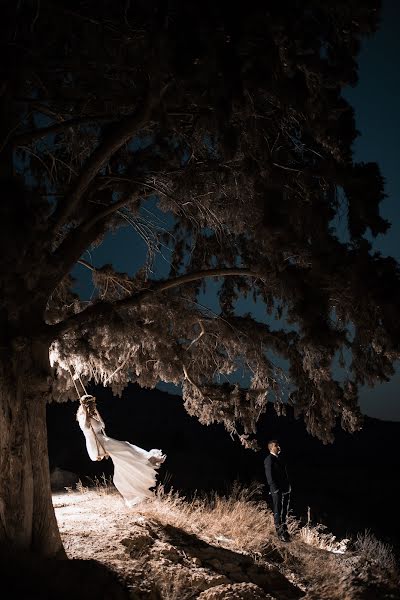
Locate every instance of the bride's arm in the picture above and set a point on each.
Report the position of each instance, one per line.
(82, 417)
(97, 417)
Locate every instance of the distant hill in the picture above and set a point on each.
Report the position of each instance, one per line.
(350, 485)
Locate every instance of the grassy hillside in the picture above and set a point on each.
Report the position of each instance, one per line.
(218, 547)
(345, 484)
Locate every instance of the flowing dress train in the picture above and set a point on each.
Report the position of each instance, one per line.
(134, 468)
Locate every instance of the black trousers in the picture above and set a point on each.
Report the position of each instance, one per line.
(280, 507)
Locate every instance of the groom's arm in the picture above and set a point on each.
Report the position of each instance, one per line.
(270, 475)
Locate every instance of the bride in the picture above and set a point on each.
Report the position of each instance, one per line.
(134, 468)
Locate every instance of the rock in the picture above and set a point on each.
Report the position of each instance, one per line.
(61, 479)
(201, 579)
(182, 582)
(138, 543)
(141, 588)
(169, 552)
(235, 591)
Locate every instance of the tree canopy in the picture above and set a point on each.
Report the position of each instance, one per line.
(233, 118)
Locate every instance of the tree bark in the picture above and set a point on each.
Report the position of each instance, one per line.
(27, 518)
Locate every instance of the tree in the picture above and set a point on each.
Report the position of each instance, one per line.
(234, 120)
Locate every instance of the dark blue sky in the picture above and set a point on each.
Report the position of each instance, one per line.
(376, 100)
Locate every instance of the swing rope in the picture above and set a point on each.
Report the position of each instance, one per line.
(83, 387)
(76, 387)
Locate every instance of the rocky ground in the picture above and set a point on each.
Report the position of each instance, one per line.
(159, 555)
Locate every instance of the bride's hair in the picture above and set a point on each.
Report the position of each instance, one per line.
(89, 404)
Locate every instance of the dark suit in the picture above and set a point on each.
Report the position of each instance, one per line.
(279, 486)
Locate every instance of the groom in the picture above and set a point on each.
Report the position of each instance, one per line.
(279, 486)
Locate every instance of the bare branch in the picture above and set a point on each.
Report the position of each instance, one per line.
(77, 240)
(192, 383)
(84, 263)
(121, 366)
(196, 339)
(115, 280)
(107, 210)
(72, 247)
(42, 108)
(123, 131)
(144, 184)
(102, 310)
(32, 136)
(162, 286)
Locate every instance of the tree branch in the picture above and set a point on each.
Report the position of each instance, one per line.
(123, 131)
(202, 332)
(115, 280)
(102, 310)
(84, 263)
(31, 136)
(71, 248)
(107, 210)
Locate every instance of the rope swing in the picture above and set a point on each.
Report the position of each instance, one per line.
(76, 387)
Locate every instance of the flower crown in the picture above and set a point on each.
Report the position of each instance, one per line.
(87, 399)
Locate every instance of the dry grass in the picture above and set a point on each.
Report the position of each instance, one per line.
(103, 486)
(373, 550)
(240, 520)
(320, 572)
(318, 537)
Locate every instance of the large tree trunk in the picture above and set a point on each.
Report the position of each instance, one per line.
(27, 519)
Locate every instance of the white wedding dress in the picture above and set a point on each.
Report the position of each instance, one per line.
(134, 468)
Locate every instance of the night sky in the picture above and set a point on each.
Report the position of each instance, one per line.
(376, 101)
